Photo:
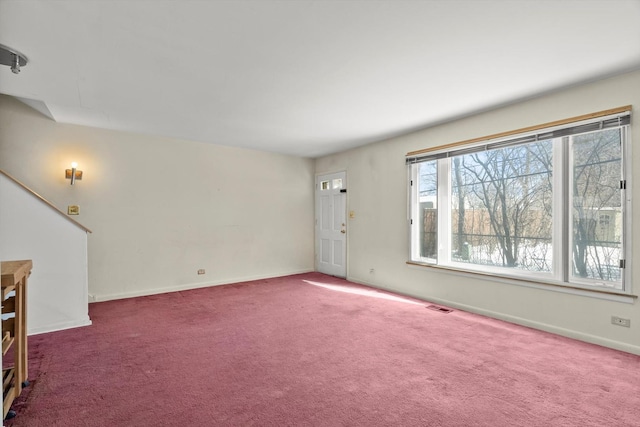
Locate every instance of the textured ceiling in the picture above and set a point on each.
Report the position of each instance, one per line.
(306, 78)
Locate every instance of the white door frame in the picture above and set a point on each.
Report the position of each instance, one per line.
(331, 223)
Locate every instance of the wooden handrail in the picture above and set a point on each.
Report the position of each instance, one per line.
(45, 201)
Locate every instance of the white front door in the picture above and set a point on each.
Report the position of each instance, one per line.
(331, 224)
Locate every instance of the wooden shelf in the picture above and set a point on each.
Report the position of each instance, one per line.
(9, 305)
(7, 341)
(9, 389)
(14, 329)
(7, 377)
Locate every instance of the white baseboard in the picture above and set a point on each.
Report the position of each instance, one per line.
(188, 286)
(59, 326)
(580, 336)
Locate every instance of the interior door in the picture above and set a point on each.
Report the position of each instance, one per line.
(331, 224)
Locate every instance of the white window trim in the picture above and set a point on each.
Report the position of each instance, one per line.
(558, 279)
(530, 283)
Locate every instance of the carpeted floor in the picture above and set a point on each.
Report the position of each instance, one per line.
(313, 350)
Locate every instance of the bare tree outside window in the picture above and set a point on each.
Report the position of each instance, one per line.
(597, 205)
(428, 191)
(502, 207)
(549, 205)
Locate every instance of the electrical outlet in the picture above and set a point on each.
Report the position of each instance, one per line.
(201, 271)
(615, 320)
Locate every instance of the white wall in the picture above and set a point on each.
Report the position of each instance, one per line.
(378, 235)
(160, 208)
(57, 287)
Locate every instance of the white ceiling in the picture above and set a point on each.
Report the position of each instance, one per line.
(304, 77)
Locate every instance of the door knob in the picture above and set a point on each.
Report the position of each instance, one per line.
(343, 231)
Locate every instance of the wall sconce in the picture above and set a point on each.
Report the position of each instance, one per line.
(73, 174)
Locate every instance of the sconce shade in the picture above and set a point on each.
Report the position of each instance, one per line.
(69, 171)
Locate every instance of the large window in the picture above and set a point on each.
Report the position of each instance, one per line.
(549, 205)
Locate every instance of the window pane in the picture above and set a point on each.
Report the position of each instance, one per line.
(427, 206)
(501, 207)
(597, 206)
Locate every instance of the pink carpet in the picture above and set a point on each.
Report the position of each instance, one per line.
(312, 350)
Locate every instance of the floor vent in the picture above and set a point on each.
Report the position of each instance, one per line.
(440, 309)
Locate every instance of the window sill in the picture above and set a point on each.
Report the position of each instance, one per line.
(556, 287)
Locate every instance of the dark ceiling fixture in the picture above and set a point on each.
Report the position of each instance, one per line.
(12, 58)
